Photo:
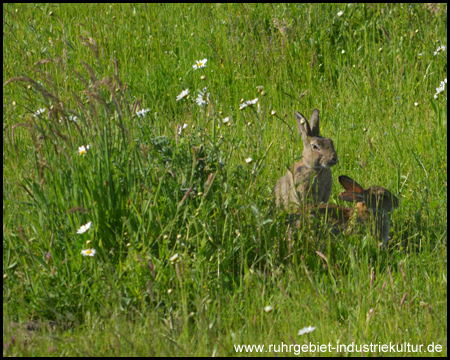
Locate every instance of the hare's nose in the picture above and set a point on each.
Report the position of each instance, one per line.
(335, 159)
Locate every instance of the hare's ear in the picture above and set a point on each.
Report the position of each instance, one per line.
(301, 120)
(350, 185)
(315, 123)
(303, 127)
(351, 196)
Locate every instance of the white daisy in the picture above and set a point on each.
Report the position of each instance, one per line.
(84, 228)
(183, 94)
(142, 112)
(248, 160)
(439, 49)
(181, 128)
(248, 103)
(39, 112)
(306, 330)
(88, 252)
(174, 258)
(83, 150)
(202, 98)
(340, 13)
(268, 309)
(226, 120)
(199, 64)
(73, 118)
(441, 87)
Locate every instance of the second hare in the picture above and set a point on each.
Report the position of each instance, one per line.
(310, 180)
(373, 206)
(375, 199)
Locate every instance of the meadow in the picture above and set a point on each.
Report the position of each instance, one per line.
(138, 207)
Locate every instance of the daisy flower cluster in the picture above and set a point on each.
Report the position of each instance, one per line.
(84, 228)
(142, 112)
(441, 88)
(248, 103)
(39, 112)
(439, 50)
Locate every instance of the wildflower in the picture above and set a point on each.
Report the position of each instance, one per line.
(83, 150)
(181, 128)
(248, 103)
(416, 104)
(199, 64)
(226, 120)
(306, 330)
(203, 97)
(439, 49)
(340, 13)
(142, 112)
(88, 252)
(268, 309)
(273, 113)
(248, 160)
(183, 94)
(39, 112)
(343, 51)
(84, 228)
(73, 118)
(174, 258)
(441, 88)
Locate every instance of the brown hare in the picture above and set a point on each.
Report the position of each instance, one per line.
(373, 205)
(310, 181)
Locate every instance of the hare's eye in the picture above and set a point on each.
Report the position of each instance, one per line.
(315, 147)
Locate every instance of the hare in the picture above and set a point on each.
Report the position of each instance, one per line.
(373, 203)
(311, 177)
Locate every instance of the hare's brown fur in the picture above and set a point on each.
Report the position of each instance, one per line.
(310, 180)
(372, 206)
(378, 203)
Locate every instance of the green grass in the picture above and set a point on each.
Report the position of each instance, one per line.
(152, 193)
